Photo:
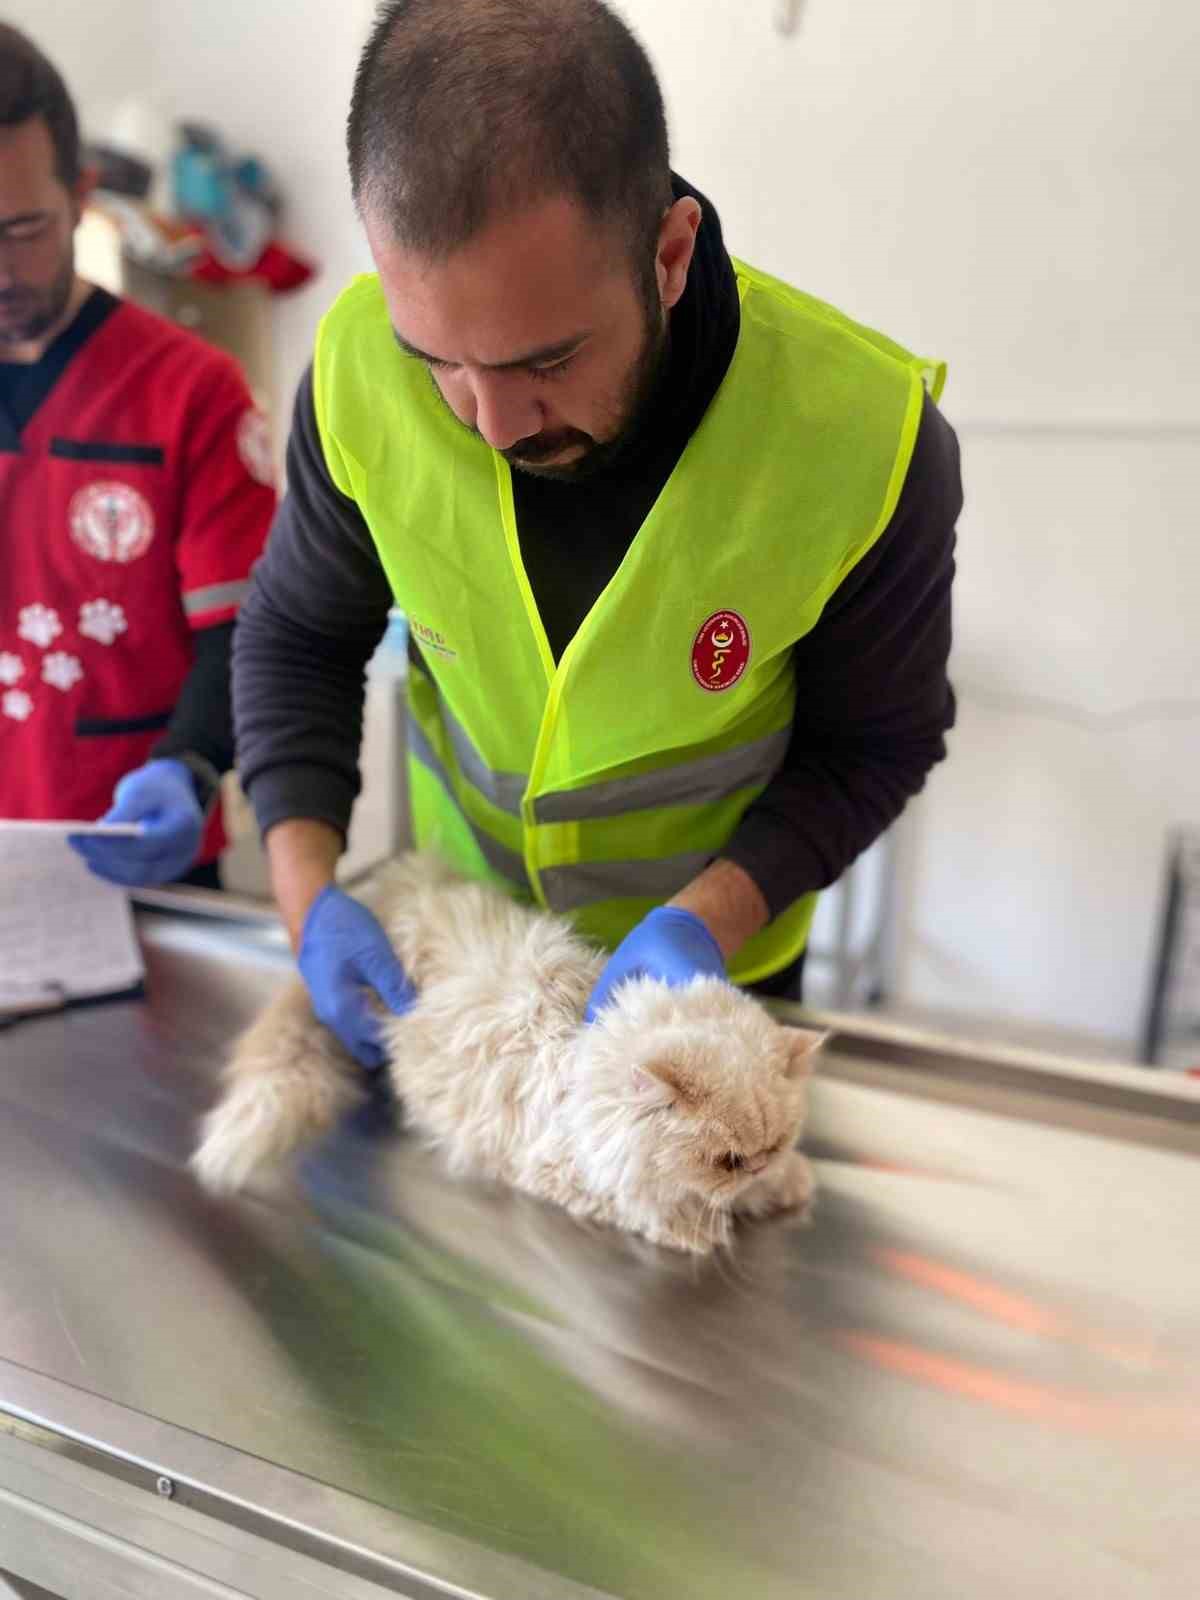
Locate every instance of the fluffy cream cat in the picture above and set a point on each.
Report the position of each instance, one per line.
(674, 1111)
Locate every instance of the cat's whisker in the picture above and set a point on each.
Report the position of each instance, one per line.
(713, 1210)
(698, 1230)
(729, 1258)
(738, 1276)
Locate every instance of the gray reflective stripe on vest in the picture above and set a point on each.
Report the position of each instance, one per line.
(505, 790)
(215, 597)
(586, 882)
(692, 783)
(502, 860)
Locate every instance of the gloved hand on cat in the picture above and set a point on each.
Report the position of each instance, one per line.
(344, 954)
(162, 797)
(670, 944)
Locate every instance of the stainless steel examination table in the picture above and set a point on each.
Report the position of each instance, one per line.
(976, 1374)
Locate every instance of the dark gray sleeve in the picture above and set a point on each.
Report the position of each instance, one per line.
(874, 701)
(317, 609)
(202, 722)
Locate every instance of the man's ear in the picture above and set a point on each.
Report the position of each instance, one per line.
(676, 247)
(83, 190)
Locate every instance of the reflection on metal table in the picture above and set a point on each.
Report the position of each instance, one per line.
(976, 1373)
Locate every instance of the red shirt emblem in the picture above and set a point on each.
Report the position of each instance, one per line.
(111, 521)
(721, 651)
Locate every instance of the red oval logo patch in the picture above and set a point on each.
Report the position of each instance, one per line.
(721, 652)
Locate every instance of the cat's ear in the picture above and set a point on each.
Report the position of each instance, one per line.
(800, 1046)
(662, 1082)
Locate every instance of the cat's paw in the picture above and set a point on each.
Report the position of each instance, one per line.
(239, 1136)
(789, 1186)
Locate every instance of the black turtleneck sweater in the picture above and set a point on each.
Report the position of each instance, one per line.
(875, 702)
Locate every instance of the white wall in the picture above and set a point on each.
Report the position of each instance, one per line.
(1009, 187)
(275, 76)
(101, 47)
(1040, 846)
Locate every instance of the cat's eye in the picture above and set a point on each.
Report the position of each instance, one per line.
(731, 1161)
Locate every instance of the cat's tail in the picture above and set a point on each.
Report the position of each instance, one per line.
(287, 1082)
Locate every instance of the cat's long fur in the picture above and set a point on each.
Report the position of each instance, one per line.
(674, 1110)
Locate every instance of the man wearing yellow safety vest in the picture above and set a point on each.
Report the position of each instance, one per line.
(674, 540)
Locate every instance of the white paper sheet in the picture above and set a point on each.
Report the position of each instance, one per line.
(60, 830)
(62, 931)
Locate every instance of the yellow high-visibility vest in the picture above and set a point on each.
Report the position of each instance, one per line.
(601, 784)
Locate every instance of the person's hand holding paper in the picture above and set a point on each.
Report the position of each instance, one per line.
(162, 799)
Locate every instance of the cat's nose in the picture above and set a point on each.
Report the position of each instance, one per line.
(757, 1163)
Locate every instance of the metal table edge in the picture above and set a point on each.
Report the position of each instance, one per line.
(247, 1492)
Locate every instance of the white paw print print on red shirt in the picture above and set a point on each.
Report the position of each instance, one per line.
(17, 705)
(39, 625)
(102, 620)
(61, 670)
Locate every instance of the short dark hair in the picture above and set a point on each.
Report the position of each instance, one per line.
(31, 86)
(463, 109)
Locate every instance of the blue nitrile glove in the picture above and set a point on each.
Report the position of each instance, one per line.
(670, 944)
(344, 954)
(162, 797)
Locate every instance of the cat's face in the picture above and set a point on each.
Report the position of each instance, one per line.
(695, 1090)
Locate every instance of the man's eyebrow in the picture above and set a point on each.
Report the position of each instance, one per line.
(533, 358)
